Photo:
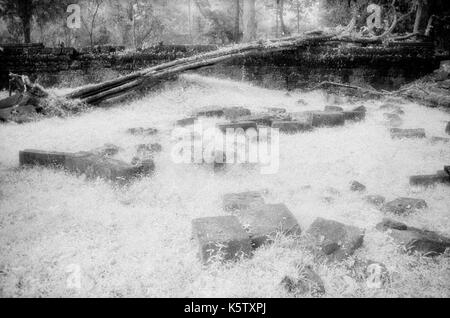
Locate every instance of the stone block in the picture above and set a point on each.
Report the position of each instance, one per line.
(109, 169)
(186, 122)
(263, 221)
(441, 177)
(327, 119)
(356, 186)
(397, 133)
(435, 140)
(413, 239)
(354, 115)
(292, 127)
(209, 111)
(221, 237)
(142, 131)
(334, 240)
(447, 129)
(245, 125)
(404, 206)
(376, 200)
(235, 113)
(42, 158)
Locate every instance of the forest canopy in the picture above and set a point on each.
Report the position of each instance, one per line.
(137, 24)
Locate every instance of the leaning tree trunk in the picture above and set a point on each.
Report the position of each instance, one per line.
(96, 94)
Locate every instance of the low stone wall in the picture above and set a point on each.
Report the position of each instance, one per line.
(71, 67)
(386, 67)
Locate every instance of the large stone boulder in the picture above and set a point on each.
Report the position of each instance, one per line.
(334, 240)
(404, 206)
(221, 238)
(413, 239)
(32, 157)
(264, 221)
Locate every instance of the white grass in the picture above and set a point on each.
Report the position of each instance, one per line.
(136, 241)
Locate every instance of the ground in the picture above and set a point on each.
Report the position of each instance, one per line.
(136, 240)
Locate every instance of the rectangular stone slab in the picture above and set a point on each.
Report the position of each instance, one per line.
(221, 236)
(42, 158)
(397, 133)
(327, 119)
(110, 169)
(354, 115)
(291, 127)
(242, 201)
(429, 180)
(266, 220)
(242, 124)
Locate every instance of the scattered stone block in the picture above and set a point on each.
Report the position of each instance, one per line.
(209, 111)
(306, 282)
(413, 239)
(334, 240)
(404, 206)
(441, 177)
(435, 140)
(447, 170)
(142, 131)
(263, 221)
(235, 113)
(447, 129)
(393, 120)
(245, 125)
(374, 274)
(376, 200)
(334, 109)
(110, 169)
(148, 148)
(42, 158)
(242, 201)
(186, 121)
(261, 119)
(327, 119)
(108, 150)
(361, 109)
(397, 133)
(277, 110)
(292, 127)
(221, 237)
(354, 115)
(356, 186)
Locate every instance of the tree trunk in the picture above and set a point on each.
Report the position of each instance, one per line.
(98, 93)
(237, 22)
(418, 16)
(249, 20)
(26, 14)
(280, 7)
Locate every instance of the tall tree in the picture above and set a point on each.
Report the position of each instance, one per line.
(250, 25)
(90, 19)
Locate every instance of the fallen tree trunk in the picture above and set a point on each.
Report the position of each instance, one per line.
(96, 94)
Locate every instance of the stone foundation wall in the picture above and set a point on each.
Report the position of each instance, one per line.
(386, 67)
